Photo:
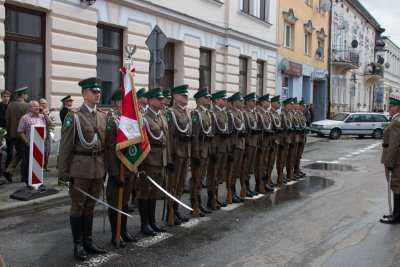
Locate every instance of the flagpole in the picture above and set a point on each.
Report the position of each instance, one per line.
(120, 194)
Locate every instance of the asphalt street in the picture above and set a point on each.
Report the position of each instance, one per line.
(331, 218)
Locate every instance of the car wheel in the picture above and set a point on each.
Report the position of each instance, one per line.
(377, 134)
(320, 134)
(335, 134)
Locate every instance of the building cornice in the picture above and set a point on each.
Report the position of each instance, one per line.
(365, 13)
(185, 19)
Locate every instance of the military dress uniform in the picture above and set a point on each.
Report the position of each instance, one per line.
(289, 134)
(180, 133)
(114, 182)
(238, 145)
(265, 140)
(154, 165)
(301, 141)
(82, 162)
(216, 172)
(64, 110)
(391, 160)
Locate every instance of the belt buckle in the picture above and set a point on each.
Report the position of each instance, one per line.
(94, 154)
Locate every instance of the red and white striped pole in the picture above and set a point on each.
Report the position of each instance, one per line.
(36, 155)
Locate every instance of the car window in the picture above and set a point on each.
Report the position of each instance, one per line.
(340, 117)
(354, 118)
(379, 118)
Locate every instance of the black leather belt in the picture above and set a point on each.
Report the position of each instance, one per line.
(205, 138)
(185, 138)
(241, 134)
(254, 131)
(89, 153)
(291, 131)
(222, 135)
(385, 145)
(157, 145)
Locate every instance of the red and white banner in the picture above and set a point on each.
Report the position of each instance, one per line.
(36, 155)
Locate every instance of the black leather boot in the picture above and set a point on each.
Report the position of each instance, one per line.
(77, 235)
(395, 218)
(202, 208)
(112, 216)
(219, 202)
(209, 201)
(144, 218)
(235, 196)
(127, 237)
(152, 216)
(249, 190)
(178, 214)
(88, 243)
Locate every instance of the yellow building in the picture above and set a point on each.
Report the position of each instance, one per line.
(303, 54)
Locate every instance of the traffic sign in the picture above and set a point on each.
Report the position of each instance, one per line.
(156, 40)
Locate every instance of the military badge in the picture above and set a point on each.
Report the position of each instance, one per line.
(68, 122)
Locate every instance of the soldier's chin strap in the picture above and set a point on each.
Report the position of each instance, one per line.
(96, 199)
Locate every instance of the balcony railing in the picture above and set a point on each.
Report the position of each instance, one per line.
(374, 68)
(342, 54)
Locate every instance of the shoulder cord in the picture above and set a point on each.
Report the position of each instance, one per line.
(296, 121)
(201, 123)
(216, 123)
(288, 123)
(302, 120)
(176, 124)
(263, 122)
(234, 124)
(84, 143)
(254, 127)
(151, 133)
(276, 120)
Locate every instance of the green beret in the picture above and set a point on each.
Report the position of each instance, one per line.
(141, 92)
(66, 98)
(202, 92)
(181, 89)
(251, 96)
(276, 98)
(93, 83)
(394, 102)
(235, 96)
(263, 98)
(22, 90)
(289, 100)
(116, 95)
(154, 93)
(167, 93)
(219, 94)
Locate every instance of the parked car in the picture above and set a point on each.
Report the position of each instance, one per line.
(359, 123)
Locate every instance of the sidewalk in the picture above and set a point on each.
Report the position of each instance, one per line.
(11, 207)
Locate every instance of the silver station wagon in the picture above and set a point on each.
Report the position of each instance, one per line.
(360, 123)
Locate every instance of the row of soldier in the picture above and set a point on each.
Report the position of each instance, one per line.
(237, 137)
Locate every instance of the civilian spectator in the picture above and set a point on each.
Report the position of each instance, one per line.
(35, 116)
(66, 106)
(310, 108)
(5, 98)
(14, 113)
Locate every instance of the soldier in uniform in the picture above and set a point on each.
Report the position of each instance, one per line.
(238, 125)
(140, 95)
(219, 150)
(253, 131)
(167, 100)
(14, 113)
(391, 158)
(301, 139)
(66, 105)
(287, 155)
(83, 147)
(201, 149)
(180, 133)
(265, 140)
(114, 181)
(154, 164)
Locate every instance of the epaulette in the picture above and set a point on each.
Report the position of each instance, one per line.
(75, 110)
(103, 111)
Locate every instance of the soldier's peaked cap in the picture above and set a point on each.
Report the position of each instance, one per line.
(276, 98)
(181, 89)
(219, 94)
(167, 93)
(116, 95)
(394, 102)
(288, 101)
(141, 92)
(294, 100)
(263, 98)
(22, 90)
(235, 96)
(154, 93)
(93, 83)
(251, 96)
(66, 98)
(202, 92)
(301, 103)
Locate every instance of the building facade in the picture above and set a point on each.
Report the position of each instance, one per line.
(51, 45)
(302, 62)
(356, 57)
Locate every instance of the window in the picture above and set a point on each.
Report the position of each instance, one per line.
(205, 69)
(256, 8)
(24, 50)
(168, 57)
(109, 60)
(307, 43)
(260, 78)
(287, 35)
(285, 86)
(320, 50)
(309, 2)
(243, 75)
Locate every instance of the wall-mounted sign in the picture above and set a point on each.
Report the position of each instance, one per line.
(320, 75)
(295, 69)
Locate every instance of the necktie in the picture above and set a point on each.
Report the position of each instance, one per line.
(94, 113)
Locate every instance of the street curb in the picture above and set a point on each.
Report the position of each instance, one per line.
(35, 205)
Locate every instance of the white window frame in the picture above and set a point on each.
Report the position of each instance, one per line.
(307, 43)
(287, 26)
